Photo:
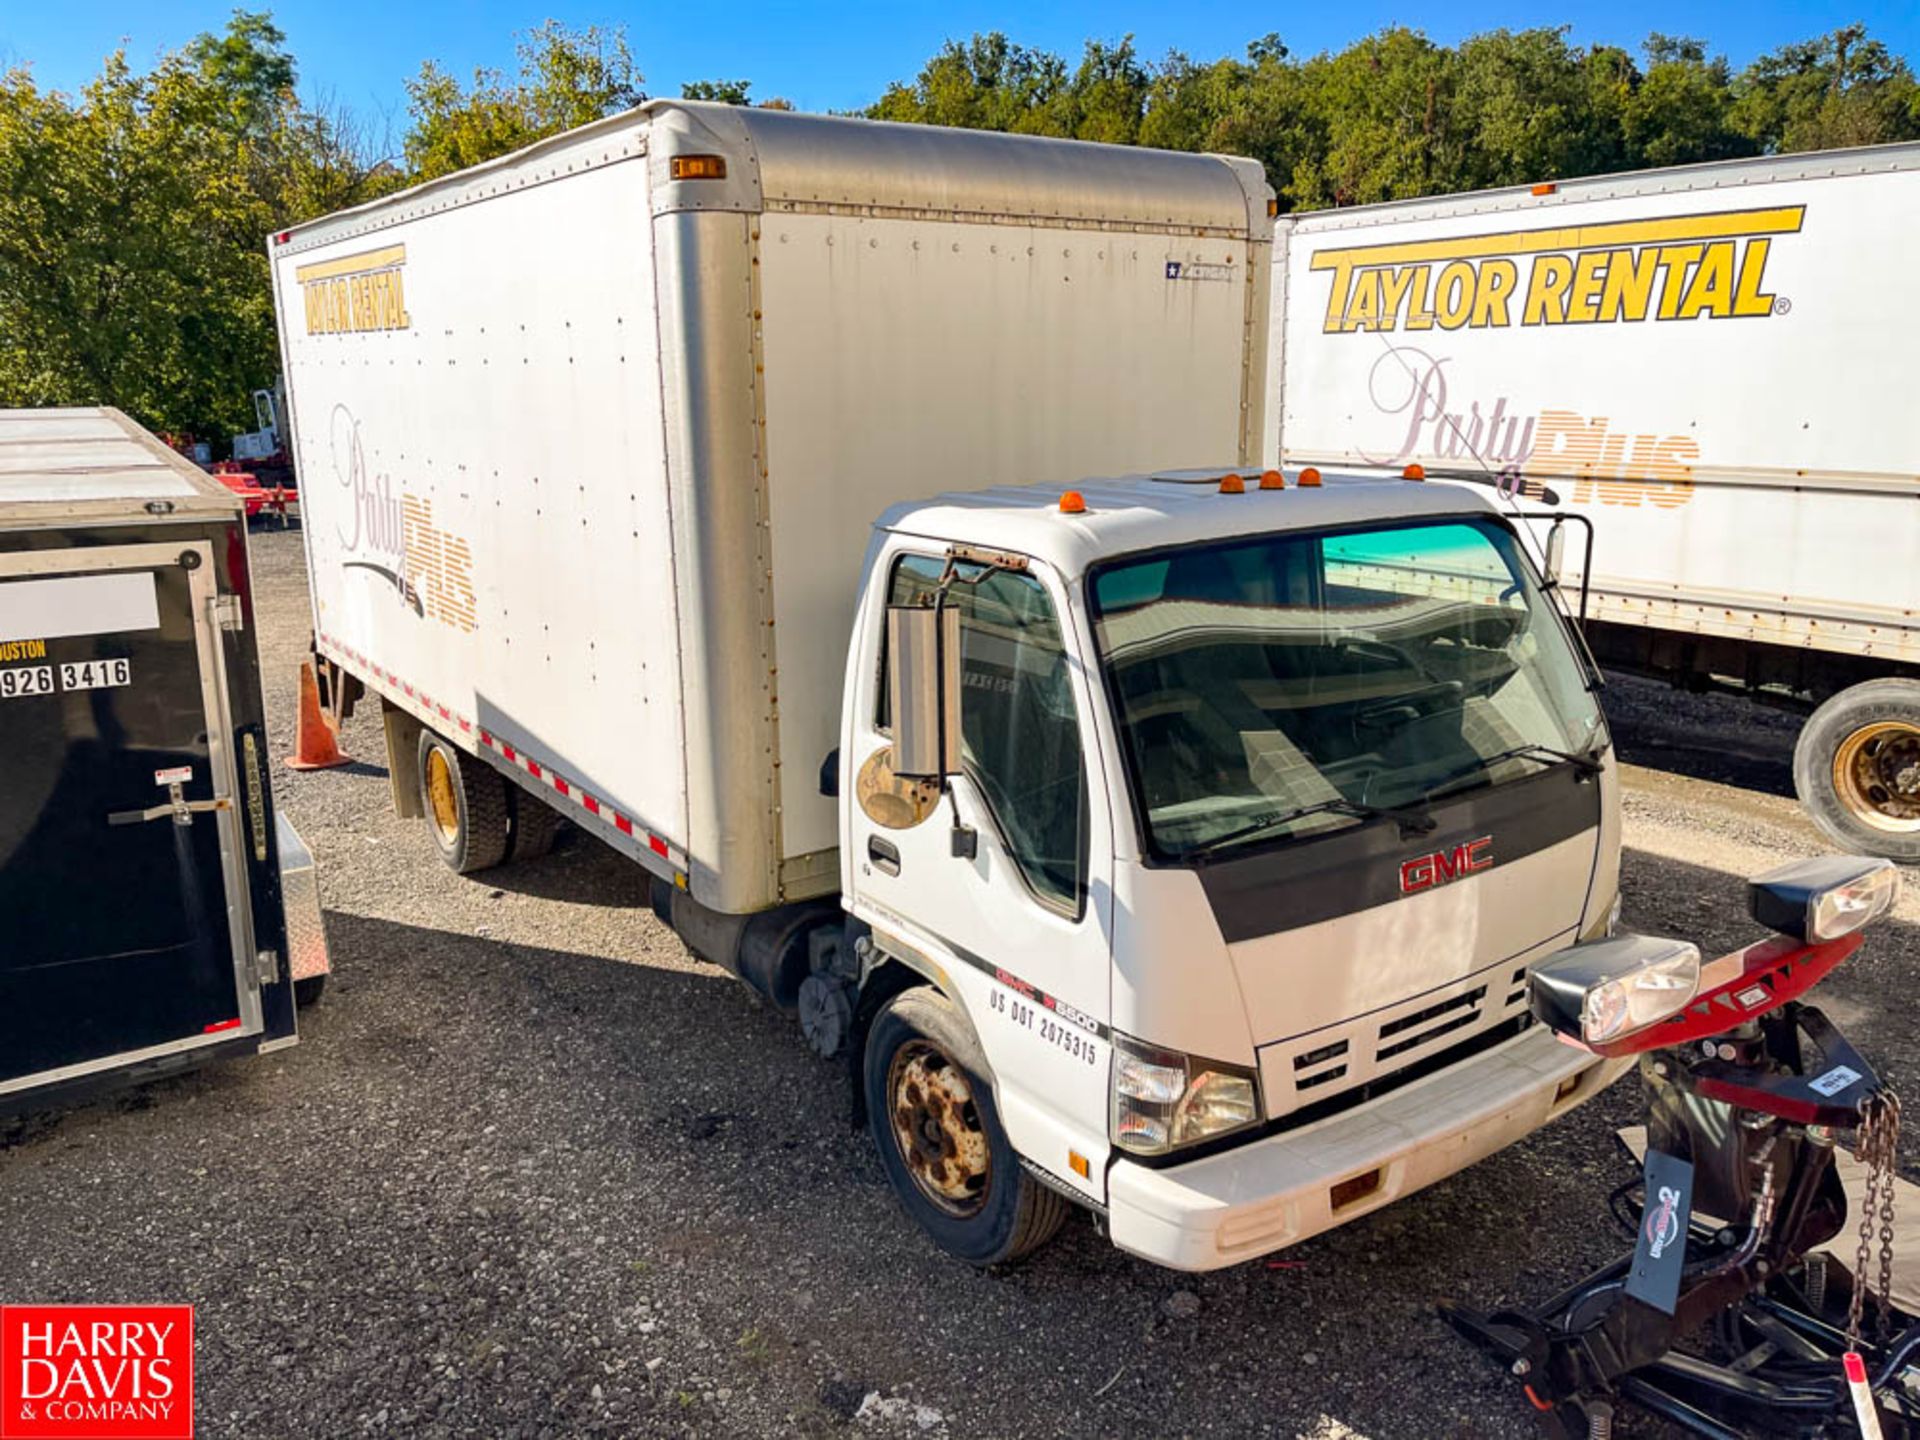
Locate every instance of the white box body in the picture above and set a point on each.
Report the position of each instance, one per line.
(589, 455)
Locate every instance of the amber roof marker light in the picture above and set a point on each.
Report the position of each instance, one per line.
(1272, 480)
(1232, 485)
(1414, 472)
(1308, 479)
(698, 167)
(1073, 503)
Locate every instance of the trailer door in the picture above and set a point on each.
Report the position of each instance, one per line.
(126, 938)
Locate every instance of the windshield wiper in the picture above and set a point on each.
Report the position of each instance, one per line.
(1415, 821)
(1586, 764)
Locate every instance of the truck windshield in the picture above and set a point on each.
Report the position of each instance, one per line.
(1281, 685)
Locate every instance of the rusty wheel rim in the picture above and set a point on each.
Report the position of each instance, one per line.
(1876, 772)
(440, 796)
(937, 1128)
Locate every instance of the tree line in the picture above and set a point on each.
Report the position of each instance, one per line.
(133, 213)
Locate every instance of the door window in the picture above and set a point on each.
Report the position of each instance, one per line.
(1020, 737)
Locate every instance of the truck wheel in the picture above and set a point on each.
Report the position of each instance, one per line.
(465, 800)
(1856, 767)
(308, 991)
(939, 1136)
(536, 826)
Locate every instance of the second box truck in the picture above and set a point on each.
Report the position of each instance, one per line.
(1707, 362)
(1173, 844)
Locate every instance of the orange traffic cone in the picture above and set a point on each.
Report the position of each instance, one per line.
(314, 746)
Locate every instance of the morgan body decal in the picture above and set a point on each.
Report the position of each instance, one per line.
(1198, 270)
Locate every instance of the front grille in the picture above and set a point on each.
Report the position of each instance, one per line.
(1430, 1023)
(1457, 1019)
(1321, 1065)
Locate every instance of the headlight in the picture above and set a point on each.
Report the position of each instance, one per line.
(1825, 898)
(1608, 989)
(1163, 1100)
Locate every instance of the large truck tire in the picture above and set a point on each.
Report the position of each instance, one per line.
(934, 1122)
(536, 826)
(466, 805)
(1856, 768)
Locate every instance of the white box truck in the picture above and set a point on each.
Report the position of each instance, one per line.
(1173, 844)
(1710, 363)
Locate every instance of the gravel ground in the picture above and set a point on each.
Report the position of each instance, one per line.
(533, 1171)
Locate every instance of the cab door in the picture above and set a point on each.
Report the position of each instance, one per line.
(1004, 881)
(127, 939)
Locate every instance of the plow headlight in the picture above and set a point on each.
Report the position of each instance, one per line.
(1163, 1100)
(1825, 898)
(1607, 989)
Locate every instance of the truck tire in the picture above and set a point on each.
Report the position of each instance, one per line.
(465, 800)
(934, 1122)
(308, 991)
(1856, 767)
(536, 826)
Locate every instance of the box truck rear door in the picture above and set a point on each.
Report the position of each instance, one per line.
(126, 934)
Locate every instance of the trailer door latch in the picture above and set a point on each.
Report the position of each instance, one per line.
(226, 612)
(178, 809)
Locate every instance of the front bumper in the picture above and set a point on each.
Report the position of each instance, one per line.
(1266, 1194)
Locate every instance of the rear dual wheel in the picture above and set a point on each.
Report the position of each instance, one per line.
(466, 804)
(1857, 768)
(476, 817)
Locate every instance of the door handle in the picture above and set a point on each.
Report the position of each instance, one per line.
(885, 854)
(178, 808)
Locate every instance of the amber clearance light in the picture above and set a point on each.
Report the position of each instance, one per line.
(698, 167)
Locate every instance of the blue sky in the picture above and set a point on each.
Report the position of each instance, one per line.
(841, 55)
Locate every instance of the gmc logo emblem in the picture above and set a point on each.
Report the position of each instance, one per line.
(1423, 872)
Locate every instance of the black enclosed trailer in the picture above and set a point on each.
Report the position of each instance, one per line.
(154, 911)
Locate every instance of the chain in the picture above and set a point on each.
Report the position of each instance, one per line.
(1876, 1143)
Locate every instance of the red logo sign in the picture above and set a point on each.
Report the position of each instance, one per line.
(96, 1372)
(1423, 872)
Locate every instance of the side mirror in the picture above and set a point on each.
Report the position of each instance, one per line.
(1556, 549)
(923, 690)
(1606, 990)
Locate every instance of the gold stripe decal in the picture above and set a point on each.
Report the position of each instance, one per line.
(366, 260)
(1680, 267)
